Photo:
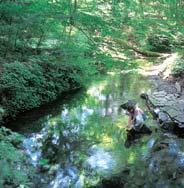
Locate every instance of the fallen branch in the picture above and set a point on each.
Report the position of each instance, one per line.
(142, 52)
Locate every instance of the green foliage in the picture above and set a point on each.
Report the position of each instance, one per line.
(9, 158)
(26, 86)
(178, 69)
(14, 171)
(43, 162)
(159, 43)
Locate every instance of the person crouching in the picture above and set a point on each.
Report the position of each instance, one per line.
(136, 121)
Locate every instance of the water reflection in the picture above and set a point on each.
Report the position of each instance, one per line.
(91, 118)
(101, 160)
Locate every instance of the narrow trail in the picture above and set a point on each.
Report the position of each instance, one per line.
(164, 68)
(167, 93)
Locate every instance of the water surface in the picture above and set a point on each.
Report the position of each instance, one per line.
(80, 138)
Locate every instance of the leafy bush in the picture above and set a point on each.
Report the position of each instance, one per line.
(159, 43)
(10, 158)
(178, 69)
(13, 163)
(26, 86)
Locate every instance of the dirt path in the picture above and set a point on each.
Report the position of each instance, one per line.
(167, 94)
(164, 68)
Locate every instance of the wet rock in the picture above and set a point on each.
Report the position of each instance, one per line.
(163, 117)
(168, 126)
(53, 169)
(168, 89)
(44, 168)
(178, 87)
(114, 182)
(161, 168)
(167, 106)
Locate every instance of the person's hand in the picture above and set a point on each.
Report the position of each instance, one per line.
(127, 113)
(129, 127)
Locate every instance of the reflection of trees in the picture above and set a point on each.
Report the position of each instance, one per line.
(132, 85)
(106, 104)
(62, 141)
(110, 95)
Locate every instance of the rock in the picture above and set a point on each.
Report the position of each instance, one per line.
(53, 169)
(139, 182)
(167, 106)
(144, 96)
(44, 168)
(163, 117)
(181, 182)
(161, 168)
(168, 126)
(178, 87)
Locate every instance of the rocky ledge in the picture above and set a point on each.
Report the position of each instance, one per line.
(166, 104)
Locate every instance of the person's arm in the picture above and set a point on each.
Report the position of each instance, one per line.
(130, 122)
(139, 120)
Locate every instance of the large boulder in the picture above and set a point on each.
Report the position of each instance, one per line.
(166, 103)
(167, 107)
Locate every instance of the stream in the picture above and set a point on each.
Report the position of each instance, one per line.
(79, 139)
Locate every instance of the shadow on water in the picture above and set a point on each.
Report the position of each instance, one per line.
(31, 121)
(77, 141)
